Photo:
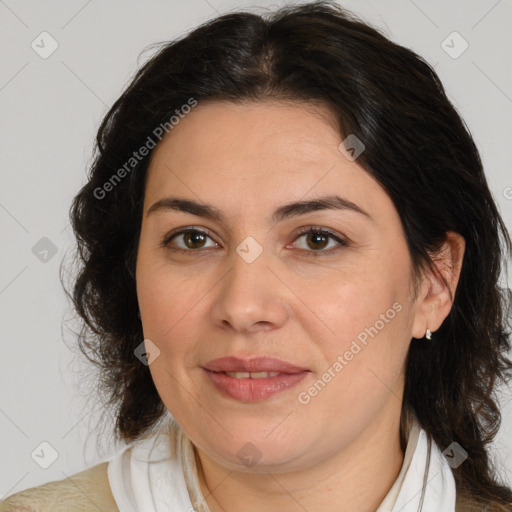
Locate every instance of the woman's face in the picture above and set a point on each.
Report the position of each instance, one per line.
(335, 310)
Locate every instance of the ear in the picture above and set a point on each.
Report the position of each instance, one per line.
(435, 298)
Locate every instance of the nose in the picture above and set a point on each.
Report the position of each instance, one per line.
(251, 296)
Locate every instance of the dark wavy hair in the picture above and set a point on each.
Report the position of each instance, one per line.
(417, 147)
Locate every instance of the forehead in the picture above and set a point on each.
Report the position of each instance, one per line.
(261, 129)
(254, 153)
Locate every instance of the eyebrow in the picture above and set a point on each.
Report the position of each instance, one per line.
(332, 202)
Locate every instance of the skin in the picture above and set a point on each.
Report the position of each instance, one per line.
(341, 451)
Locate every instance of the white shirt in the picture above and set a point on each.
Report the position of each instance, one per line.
(158, 474)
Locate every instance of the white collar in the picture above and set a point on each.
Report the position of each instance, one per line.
(406, 494)
(158, 474)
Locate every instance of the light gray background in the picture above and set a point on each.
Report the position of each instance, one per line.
(50, 111)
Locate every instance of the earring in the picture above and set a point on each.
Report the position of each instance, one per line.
(428, 334)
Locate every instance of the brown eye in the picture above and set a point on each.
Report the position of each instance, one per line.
(194, 239)
(317, 239)
(187, 240)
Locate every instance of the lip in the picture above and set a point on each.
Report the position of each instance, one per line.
(253, 390)
(255, 364)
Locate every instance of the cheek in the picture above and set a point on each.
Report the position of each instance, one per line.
(164, 297)
(351, 306)
(368, 319)
(169, 308)
(169, 305)
(362, 363)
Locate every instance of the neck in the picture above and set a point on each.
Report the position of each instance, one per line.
(358, 477)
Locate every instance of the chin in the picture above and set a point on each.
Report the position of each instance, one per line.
(258, 453)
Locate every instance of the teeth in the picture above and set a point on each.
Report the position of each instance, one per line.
(239, 375)
(251, 375)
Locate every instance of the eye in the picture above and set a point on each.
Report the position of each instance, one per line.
(318, 239)
(190, 239)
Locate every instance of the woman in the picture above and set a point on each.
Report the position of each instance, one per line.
(290, 280)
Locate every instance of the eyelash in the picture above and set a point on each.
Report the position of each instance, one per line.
(303, 231)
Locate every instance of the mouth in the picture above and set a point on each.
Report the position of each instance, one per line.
(251, 380)
(253, 365)
(251, 375)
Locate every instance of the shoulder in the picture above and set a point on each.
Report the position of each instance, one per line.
(87, 490)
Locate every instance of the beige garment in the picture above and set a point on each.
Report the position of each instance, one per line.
(87, 491)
